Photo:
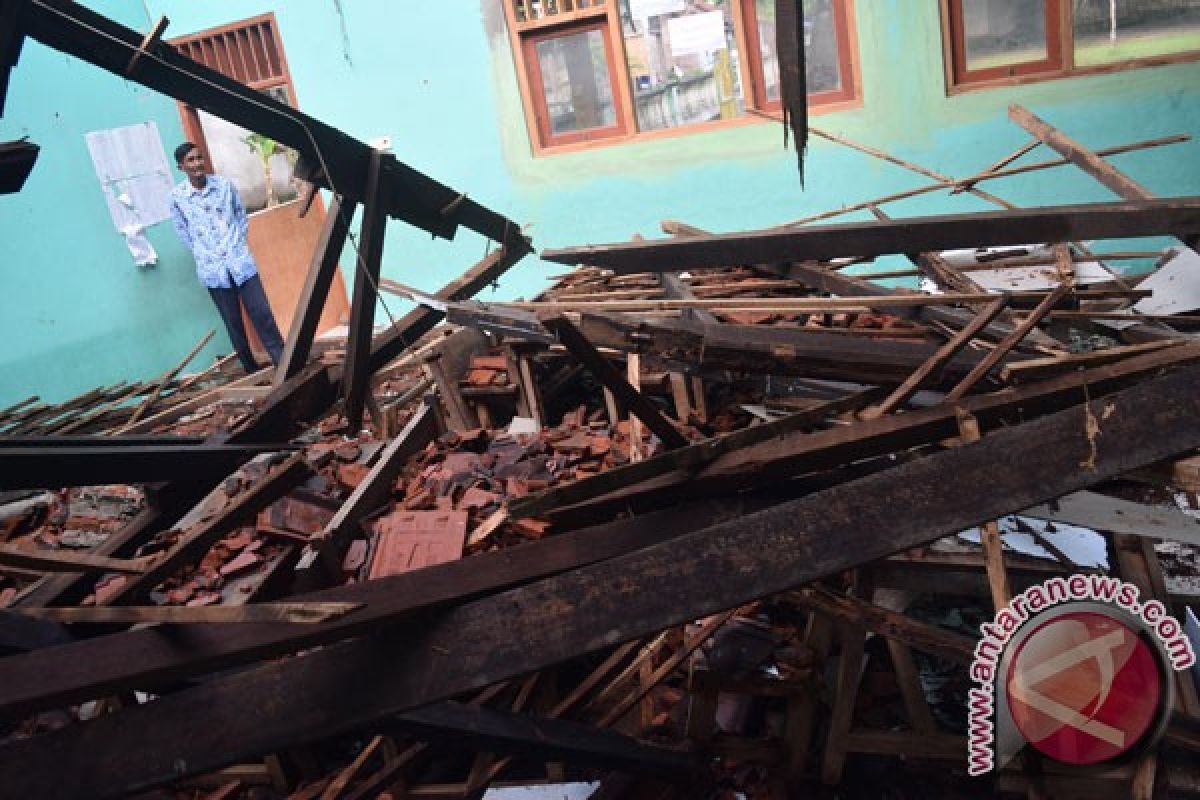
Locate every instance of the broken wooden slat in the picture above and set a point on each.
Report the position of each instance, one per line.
(911, 235)
(709, 570)
(167, 377)
(290, 612)
(1039, 368)
(904, 391)
(372, 492)
(1078, 155)
(1008, 343)
(152, 40)
(65, 561)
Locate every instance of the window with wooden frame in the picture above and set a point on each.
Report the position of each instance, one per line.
(250, 52)
(1001, 42)
(609, 70)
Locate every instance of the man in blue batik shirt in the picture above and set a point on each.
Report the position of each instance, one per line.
(211, 221)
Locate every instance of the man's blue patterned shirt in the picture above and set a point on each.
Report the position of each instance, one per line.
(212, 223)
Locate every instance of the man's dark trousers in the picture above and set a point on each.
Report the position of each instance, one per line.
(251, 295)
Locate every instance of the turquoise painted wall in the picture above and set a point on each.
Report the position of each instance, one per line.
(75, 312)
(439, 79)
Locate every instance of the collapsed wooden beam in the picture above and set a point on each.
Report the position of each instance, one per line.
(911, 235)
(55, 467)
(290, 612)
(357, 374)
(351, 685)
(316, 289)
(338, 161)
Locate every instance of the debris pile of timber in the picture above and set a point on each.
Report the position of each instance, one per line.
(713, 516)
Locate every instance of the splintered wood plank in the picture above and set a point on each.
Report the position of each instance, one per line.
(587, 610)
(989, 536)
(66, 561)
(410, 540)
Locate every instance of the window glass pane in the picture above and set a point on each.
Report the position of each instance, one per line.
(575, 82)
(682, 60)
(1119, 30)
(822, 61)
(1000, 32)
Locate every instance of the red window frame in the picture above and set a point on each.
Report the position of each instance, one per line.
(541, 111)
(843, 20)
(959, 72)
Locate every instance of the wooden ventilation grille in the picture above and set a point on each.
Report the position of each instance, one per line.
(531, 13)
(249, 52)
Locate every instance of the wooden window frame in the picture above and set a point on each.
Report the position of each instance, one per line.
(575, 15)
(1059, 63)
(845, 29)
(541, 112)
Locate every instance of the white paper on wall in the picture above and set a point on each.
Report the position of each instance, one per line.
(697, 33)
(641, 9)
(136, 179)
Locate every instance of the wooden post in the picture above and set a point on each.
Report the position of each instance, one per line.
(316, 289)
(355, 383)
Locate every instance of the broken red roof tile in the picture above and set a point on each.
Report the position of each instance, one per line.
(408, 540)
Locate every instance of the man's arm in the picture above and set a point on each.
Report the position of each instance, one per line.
(180, 223)
(239, 211)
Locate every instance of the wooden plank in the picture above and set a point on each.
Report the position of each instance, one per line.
(1039, 368)
(56, 467)
(316, 289)
(911, 235)
(1078, 155)
(350, 685)
(812, 305)
(66, 561)
(356, 378)
(935, 362)
(989, 531)
(151, 41)
(293, 613)
(604, 372)
(849, 673)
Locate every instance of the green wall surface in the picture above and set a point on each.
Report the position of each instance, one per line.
(75, 312)
(439, 79)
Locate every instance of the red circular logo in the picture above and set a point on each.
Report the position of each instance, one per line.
(1083, 688)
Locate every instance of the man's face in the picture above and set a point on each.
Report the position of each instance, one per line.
(193, 163)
